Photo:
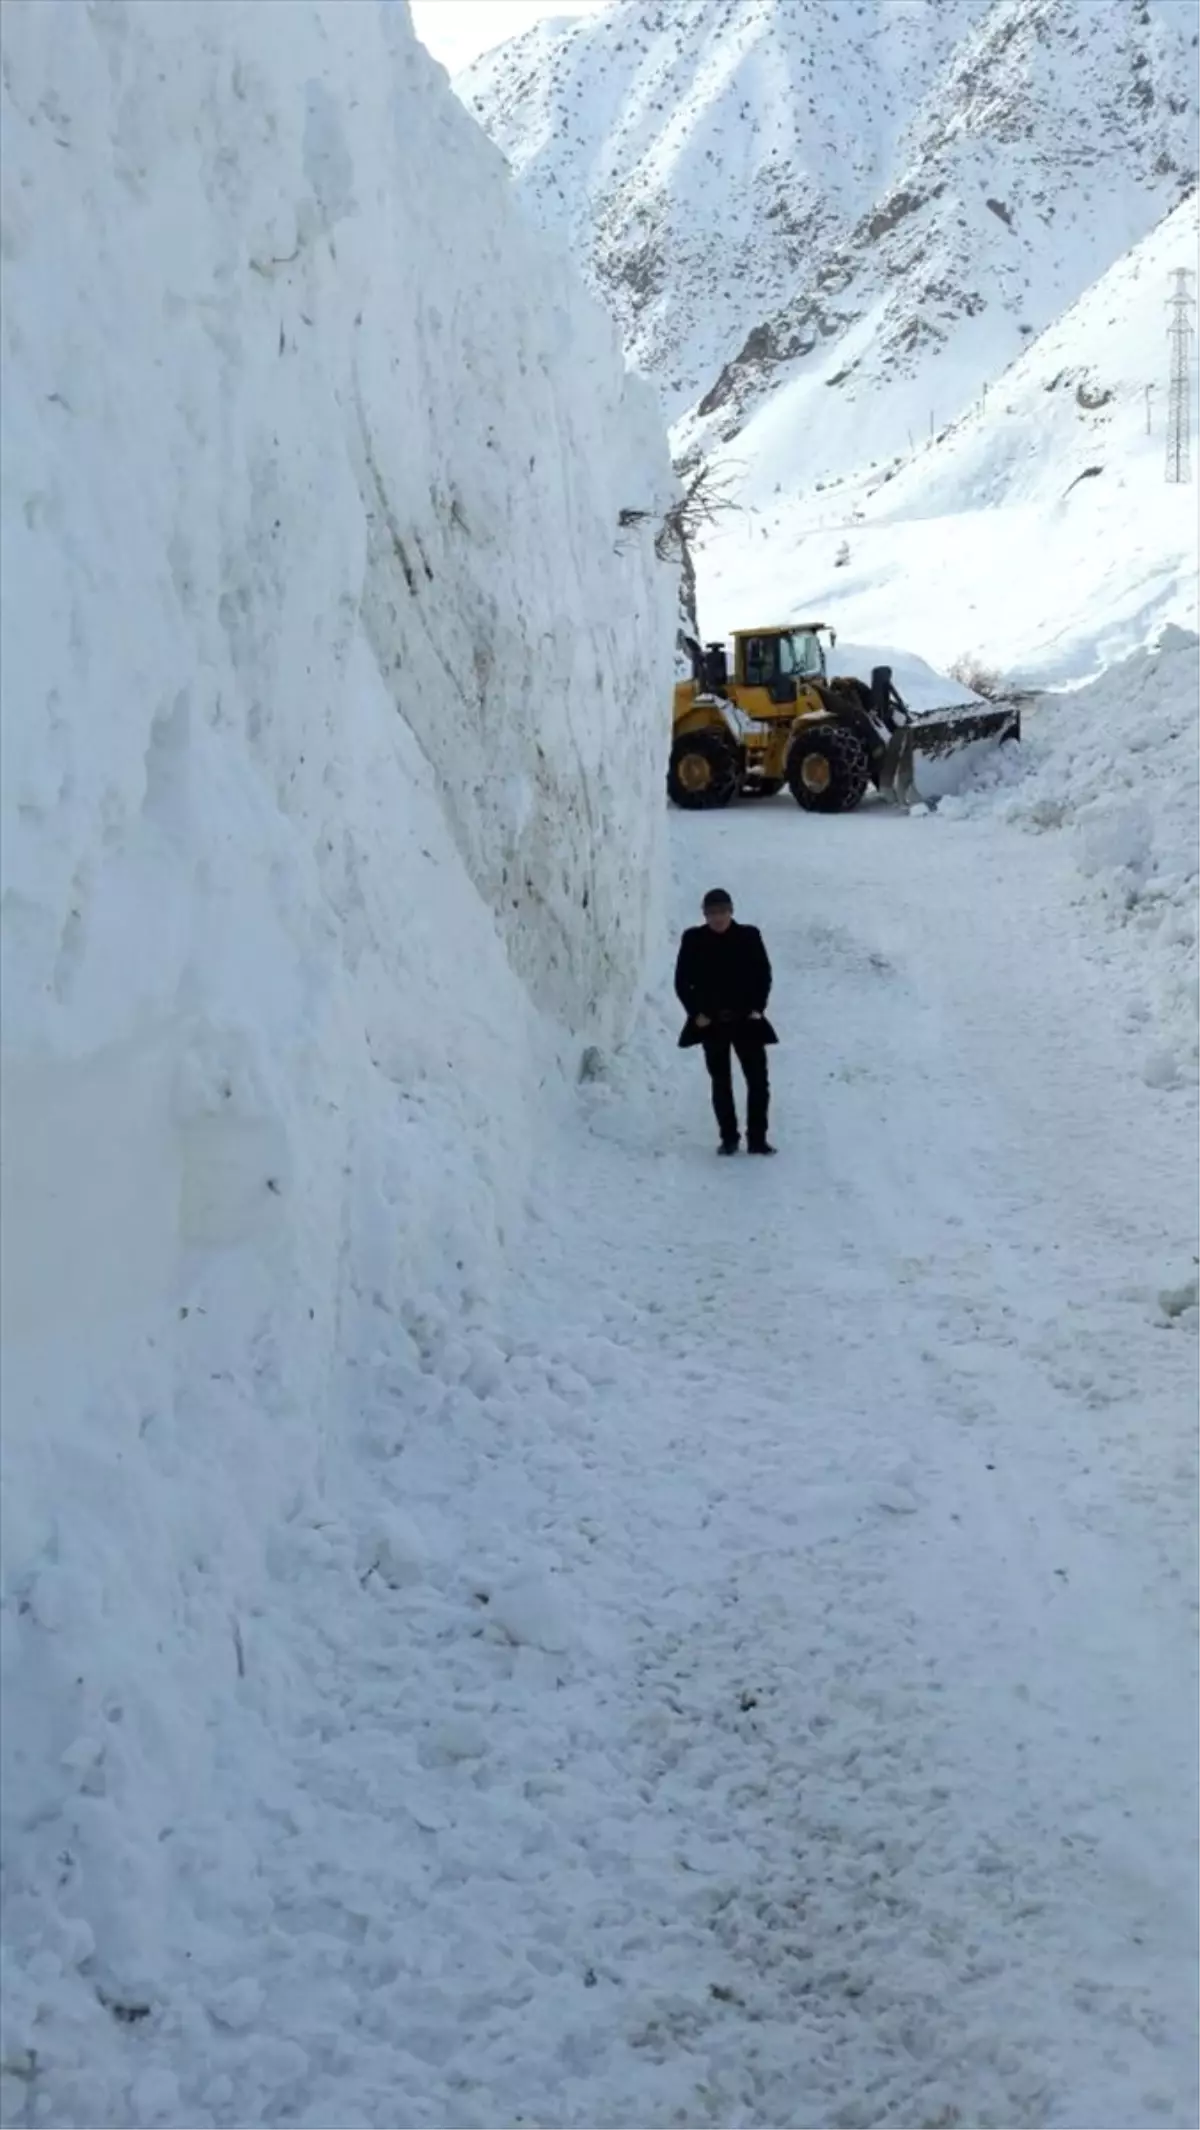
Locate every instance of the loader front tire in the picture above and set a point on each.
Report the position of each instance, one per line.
(828, 770)
(704, 772)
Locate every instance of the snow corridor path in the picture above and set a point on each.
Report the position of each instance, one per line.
(768, 1701)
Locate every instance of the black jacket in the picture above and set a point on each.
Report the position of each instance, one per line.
(724, 975)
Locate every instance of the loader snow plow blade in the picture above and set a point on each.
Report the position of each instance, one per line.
(929, 757)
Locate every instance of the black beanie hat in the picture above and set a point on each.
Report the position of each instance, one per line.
(718, 898)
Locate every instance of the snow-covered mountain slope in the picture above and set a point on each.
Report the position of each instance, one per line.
(667, 145)
(1038, 534)
(841, 194)
(332, 815)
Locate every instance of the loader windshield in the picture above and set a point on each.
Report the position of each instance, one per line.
(801, 653)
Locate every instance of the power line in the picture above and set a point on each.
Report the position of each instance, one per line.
(1179, 403)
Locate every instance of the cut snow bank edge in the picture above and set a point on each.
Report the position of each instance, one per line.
(332, 818)
(1114, 765)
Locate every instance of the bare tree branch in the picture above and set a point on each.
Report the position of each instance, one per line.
(707, 496)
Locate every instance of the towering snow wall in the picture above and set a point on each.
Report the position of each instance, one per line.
(332, 789)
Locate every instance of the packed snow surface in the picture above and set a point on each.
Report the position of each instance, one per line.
(743, 1673)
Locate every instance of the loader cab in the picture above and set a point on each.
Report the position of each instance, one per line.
(779, 660)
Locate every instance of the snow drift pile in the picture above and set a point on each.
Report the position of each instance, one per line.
(1115, 765)
(332, 799)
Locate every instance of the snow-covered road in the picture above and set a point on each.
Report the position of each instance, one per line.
(764, 1696)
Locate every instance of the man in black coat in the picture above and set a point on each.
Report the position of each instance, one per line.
(723, 982)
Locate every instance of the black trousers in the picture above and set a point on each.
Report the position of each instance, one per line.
(721, 1045)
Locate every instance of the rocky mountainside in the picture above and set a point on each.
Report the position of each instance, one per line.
(844, 192)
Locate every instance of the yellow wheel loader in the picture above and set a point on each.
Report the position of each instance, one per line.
(779, 718)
